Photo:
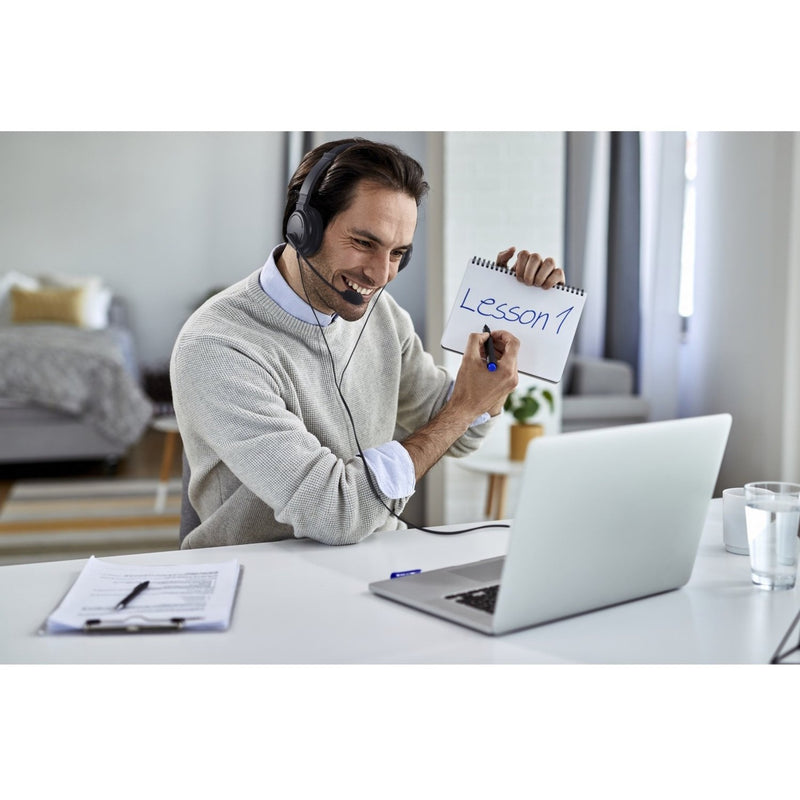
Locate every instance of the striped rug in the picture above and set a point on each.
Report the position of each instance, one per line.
(71, 518)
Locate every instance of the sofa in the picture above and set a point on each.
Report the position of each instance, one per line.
(599, 393)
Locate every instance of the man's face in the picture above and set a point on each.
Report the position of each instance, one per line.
(361, 249)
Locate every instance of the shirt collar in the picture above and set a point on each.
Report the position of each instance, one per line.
(274, 284)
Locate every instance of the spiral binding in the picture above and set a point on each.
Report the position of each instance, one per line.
(488, 264)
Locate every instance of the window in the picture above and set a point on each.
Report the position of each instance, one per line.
(686, 295)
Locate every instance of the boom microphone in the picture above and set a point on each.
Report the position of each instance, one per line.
(350, 295)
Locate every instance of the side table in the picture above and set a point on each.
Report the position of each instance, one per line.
(498, 469)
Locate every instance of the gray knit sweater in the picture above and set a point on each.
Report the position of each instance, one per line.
(270, 445)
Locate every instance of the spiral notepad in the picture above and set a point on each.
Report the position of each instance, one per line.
(544, 320)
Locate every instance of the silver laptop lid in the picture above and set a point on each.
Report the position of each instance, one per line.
(608, 515)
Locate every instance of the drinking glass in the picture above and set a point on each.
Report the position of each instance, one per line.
(772, 511)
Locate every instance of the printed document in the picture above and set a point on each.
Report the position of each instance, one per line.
(191, 596)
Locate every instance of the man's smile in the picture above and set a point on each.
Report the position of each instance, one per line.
(362, 290)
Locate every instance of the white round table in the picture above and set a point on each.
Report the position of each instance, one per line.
(498, 469)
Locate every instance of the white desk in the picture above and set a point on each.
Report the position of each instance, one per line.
(302, 602)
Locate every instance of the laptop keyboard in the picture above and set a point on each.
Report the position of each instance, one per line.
(483, 599)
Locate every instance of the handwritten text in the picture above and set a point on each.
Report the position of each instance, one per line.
(528, 317)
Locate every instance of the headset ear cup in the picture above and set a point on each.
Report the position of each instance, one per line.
(304, 230)
(295, 230)
(405, 259)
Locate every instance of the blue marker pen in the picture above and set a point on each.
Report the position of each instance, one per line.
(405, 572)
(488, 346)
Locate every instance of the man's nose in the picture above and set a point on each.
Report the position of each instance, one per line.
(381, 269)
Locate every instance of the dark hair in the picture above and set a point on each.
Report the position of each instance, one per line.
(379, 163)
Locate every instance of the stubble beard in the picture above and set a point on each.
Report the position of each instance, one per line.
(326, 299)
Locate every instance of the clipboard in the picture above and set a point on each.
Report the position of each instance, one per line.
(107, 597)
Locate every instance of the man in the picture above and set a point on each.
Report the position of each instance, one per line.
(291, 385)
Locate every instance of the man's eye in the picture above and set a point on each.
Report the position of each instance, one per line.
(363, 243)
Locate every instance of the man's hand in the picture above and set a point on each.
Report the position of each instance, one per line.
(477, 389)
(532, 269)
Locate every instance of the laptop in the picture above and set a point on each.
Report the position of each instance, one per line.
(604, 517)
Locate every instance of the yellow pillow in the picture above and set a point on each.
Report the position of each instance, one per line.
(47, 305)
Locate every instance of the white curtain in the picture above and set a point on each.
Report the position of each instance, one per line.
(790, 463)
(662, 195)
(662, 199)
(586, 240)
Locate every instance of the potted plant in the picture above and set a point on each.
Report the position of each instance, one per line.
(524, 406)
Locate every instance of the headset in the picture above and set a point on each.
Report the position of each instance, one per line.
(305, 228)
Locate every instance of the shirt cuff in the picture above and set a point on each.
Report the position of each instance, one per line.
(393, 469)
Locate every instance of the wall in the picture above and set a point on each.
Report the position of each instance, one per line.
(496, 190)
(746, 301)
(162, 217)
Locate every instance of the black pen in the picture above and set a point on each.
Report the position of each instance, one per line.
(488, 346)
(137, 591)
